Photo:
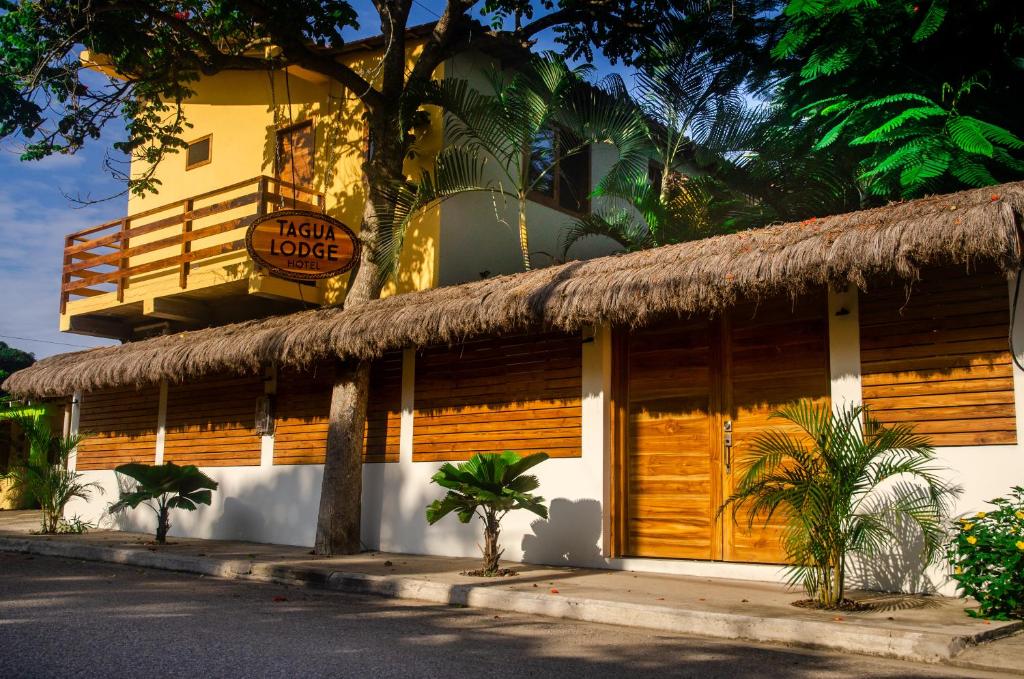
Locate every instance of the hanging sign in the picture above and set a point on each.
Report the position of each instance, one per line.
(301, 245)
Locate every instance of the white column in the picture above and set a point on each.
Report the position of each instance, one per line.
(408, 406)
(596, 420)
(76, 415)
(267, 439)
(161, 423)
(844, 346)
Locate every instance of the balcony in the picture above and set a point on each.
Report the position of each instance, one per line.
(179, 266)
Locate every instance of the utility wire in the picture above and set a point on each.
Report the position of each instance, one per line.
(33, 339)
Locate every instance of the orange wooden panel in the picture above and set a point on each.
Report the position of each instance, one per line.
(670, 463)
(519, 393)
(936, 356)
(212, 422)
(303, 409)
(119, 426)
(776, 354)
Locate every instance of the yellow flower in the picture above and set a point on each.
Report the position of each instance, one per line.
(971, 539)
(968, 526)
(958, 570)
(1019, 515)
(1020, 545)
(981, 515)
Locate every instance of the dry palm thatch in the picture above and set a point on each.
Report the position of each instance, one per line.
(705, 276)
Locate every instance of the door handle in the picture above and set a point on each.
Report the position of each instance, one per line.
(727, 440)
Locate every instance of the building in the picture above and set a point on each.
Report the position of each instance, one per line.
(288, 138)
(628, 369)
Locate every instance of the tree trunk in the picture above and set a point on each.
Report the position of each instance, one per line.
(163, 524)
(524, 234)
(338, 522)
(492, 530)
(337, 530)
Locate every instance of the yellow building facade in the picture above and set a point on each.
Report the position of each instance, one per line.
(258, 142)
(265, 141)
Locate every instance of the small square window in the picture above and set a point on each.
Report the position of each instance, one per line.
(198, 152)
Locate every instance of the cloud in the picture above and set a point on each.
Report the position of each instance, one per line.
(34, 218)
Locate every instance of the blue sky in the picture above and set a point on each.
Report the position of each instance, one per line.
(36, 214)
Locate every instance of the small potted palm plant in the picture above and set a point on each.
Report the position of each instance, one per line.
(488, 486)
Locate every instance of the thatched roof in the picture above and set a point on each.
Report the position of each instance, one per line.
(696, 277)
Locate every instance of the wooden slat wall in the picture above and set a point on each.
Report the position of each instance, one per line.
(211, 423)
(384, 411)
(516, 393)
(939, 359)
(303, 408)
(120, 427)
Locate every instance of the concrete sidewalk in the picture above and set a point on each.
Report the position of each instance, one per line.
(922, 629)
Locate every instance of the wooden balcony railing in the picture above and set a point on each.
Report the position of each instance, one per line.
(98, 260)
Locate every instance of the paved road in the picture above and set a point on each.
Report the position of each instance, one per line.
(67, 618)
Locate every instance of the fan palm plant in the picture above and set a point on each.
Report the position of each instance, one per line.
(44, 476)
(844, 484)
(488, 486)
(168, 485)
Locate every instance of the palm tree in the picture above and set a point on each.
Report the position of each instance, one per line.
(45, 476)
(168, 485)
(488, 486)
(721, 163)
(532, 123)
(844, 483)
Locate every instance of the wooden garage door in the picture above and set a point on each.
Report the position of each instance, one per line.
(687, 382)
(672, 464)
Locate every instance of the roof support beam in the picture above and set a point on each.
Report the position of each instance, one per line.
(97, 326)
(181, 310)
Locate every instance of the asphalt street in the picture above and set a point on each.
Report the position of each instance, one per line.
(67, 618)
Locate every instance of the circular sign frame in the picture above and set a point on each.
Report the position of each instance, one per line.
(292, 235)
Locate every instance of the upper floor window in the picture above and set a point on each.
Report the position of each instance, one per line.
(560, 171)
(199, 152)
(295, 153)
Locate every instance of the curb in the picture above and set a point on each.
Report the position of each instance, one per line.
(914, 646)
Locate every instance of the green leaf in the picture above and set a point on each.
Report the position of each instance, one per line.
(932, 21)
(967, 134)
(881, 133)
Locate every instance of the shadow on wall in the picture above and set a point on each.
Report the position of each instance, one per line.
(569, 537)
(899, 568)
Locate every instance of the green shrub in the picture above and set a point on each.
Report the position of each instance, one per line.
(987, 556)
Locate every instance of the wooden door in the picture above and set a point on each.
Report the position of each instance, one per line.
(684, 383)
(295, 146)
(774, 355)
(672, 458)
